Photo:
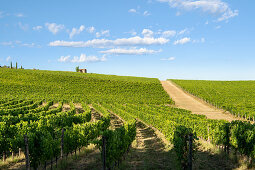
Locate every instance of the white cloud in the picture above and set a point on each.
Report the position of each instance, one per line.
(7, 43)
(101, 43)
(103, 33)
(91, 29)
(54, 28)
(133, 33)
(76, 31)
(24, 27)
(1, 14)
(146, 13)
(84, 58)
(64, 58)
(168, 33)
(132, 11)
(215, 7)
(182, 41)
(202, 40)
(178, 13)
(168, 59)
(147, 33)
(228, 14)
(132, 51)
(30, 45)
(8, 58)
(19, 43)
(184, 31)
(218, 27)
(37, 28)
(19, 15)
(207, 22)
(81, 59)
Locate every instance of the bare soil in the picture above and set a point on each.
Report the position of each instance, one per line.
(149, 151)
(78, 108)
(66, 107)
(195, 105)
(55, 105)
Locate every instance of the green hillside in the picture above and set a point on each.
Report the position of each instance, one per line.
(237, 97)
(78, 87)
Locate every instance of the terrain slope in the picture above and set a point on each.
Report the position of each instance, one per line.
(196, 106)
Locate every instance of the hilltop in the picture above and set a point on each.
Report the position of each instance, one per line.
(79, 87)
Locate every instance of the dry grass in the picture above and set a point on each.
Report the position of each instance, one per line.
(89, 158)
(16, 163)
(210, 156)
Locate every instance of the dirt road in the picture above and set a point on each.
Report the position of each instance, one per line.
(189, 102)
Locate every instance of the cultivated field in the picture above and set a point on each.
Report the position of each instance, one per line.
(77, 87)
(125, 122)
(237, 97)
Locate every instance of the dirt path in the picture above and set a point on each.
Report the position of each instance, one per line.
(189, 102)
(148, 151)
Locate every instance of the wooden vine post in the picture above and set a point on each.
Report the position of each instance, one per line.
(104, 152)
(190, 152)
(4, 156)
(19, 152)
(62, 144)
(27, 152)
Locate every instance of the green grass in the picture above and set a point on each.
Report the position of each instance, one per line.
(237, 97)
(79, 87)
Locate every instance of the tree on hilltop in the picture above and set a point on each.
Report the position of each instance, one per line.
(77, 69)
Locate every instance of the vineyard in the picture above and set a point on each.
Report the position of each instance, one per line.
(49, 115)
(237, 97)
(76, 87)
(56, 130)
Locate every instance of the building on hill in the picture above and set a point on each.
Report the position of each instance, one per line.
(83, 70)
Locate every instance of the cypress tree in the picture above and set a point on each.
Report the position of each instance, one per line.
(77, 69)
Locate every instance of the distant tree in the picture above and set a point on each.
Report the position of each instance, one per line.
(16, 65)
(11, 64)
(21, 67)
(77, 69)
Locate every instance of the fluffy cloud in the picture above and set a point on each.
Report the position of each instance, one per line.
(19, 43)
(132, 51)
(76, 31)
(216, 7)
(100, 43)
(228, 14)
(202, 40)
(217, 27)
(182, 41)
(1, 14)
(146, 13)
(132, 11)
(64, 58)
(54, 28)
(168, 59)
(84, 58)
(169, 33)
(103, 33)
(147, 33)
(8, 58)
(22, 26)
(19, 15)
(37, 28)
(81, 59)
(91, 29)
(184, 31)
(7, 43)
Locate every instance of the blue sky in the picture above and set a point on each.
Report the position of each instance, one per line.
(185, 39)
